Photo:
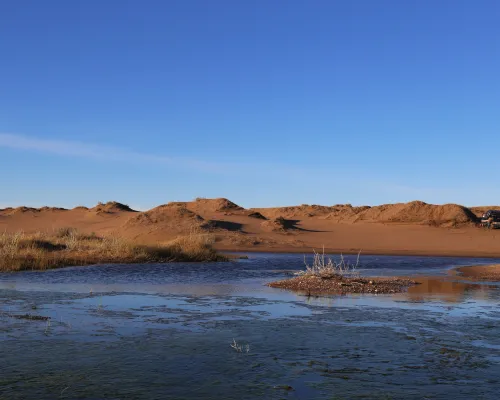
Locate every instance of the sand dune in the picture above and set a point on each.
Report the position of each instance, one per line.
(111, 207)
(416, 212)
(404, 228)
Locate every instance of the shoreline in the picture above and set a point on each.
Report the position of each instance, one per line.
(490, 272)
(408, 253)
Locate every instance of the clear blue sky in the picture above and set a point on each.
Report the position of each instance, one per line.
(265, 102)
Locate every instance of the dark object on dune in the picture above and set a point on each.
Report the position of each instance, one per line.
(495, 214)
(491, 219)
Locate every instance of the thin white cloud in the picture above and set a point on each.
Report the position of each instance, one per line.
(86, 150)
(358, 184)
(69, 148)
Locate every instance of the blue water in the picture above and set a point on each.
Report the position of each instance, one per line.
(259, 268)
(165, 331)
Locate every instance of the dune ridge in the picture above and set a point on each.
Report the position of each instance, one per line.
(413, 212)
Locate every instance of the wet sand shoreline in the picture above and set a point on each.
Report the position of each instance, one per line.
(331, 250)
(478, 272)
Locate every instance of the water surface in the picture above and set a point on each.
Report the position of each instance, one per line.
(165, 331)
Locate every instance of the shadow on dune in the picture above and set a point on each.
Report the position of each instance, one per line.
(225, 225)
(291, 224)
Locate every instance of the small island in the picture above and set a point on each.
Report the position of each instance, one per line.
(326, 276)
(340, 285)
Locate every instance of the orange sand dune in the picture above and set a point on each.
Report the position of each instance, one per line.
(404, 228)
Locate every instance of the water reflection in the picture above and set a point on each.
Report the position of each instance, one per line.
(258, 269)
(143, 331)
(448, 290)
(443, 295)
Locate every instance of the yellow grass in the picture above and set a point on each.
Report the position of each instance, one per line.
(68, 247)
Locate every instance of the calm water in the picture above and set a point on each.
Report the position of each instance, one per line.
(165, 331)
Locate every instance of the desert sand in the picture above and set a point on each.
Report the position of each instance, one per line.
(414, 228)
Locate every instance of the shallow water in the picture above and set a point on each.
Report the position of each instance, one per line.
(165, 331)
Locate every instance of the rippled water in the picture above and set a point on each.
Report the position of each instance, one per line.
(165, 331)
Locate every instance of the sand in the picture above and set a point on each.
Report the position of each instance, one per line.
(480, 272)
(337, 284)
(414, 228)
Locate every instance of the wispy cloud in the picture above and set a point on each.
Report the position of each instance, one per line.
(357, 185)
(68, 148)
(86, 150)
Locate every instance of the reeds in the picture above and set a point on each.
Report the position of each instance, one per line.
(68, 247)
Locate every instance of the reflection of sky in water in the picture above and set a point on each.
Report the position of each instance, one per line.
(173, 290)
(117, 325)
(247, 278)
(258, 269)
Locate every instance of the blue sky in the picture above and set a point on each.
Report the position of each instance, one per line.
(264, 102)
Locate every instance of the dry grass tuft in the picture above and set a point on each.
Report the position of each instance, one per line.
(325, 267)
(68, 247)
(197, 246)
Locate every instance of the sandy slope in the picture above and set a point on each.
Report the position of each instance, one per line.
(406, 228)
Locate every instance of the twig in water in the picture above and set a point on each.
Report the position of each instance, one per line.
(239, 348)
(46, 332)
(62, 391)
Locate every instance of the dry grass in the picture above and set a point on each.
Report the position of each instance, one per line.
(68, 247)
(325, 267)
